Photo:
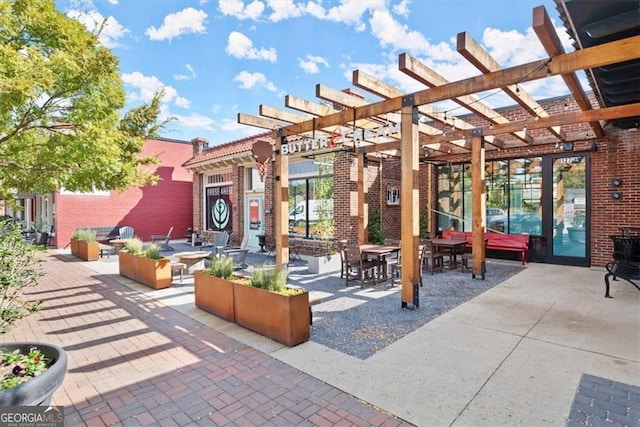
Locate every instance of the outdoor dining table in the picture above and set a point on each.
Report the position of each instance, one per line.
(450, 248)
(192, 260)
(379, 252)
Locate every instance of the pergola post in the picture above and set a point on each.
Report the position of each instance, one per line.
(477, 202)
(409, 203)
(363, 199)
(281, 204)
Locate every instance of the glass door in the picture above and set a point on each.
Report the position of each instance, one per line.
(567, 210)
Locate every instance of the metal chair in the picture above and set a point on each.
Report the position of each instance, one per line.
(341, 244)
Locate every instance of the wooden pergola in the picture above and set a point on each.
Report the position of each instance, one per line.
(421, 128)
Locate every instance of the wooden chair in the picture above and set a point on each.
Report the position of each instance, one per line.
(467, 257)
(163, 240)
(341, 245)
(432, 258)
(420, 258)
(357, 268)
(125, 232)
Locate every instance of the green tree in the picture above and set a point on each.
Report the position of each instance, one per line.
(62, 123)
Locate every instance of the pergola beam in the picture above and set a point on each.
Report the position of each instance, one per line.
(476, 55)
(548, 36)
(595, 56)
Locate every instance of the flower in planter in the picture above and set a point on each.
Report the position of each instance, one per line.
(17, 368)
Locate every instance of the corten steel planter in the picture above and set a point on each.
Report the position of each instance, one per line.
(215, 295)
(155, 273)
(38, 390)
(284, 318)
(127, 264)
(88, 251)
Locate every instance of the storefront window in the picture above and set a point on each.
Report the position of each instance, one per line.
(219, 208)
(311, 203)
(512, 190)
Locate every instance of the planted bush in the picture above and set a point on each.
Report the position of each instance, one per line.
(153, 252)
(84, 235)
(220, 267)
(267, 277)
(133, 246)
(19, 268)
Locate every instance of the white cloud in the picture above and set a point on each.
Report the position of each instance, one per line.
(351, 12)
(237, 9)
(241, 46)
(191, 75)
(113, 1)
(402, 8)
(93, 21)
(390, 32)
(310, 64)
(146, 86)
(186, 21)
(249, 80)
(284, 9)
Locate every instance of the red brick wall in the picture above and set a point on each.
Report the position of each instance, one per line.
(149, 210)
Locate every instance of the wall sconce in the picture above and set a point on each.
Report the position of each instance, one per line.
(594, 147)
(567, 146)
(616, 195)
(616, 182)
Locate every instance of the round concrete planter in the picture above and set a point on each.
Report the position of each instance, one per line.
(38, 390)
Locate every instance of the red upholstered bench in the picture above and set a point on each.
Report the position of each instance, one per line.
(501, 242)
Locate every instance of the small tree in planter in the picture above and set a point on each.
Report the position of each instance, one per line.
(19, 269)
(84, 244)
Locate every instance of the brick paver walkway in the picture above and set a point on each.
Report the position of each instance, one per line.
(134, 361)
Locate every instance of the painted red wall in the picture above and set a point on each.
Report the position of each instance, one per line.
(149, 210)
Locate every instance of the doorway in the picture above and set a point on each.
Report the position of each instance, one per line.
(255, 214)
(566, 207)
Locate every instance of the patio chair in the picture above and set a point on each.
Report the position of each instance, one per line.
(420, 258)
(357, 268)
(239, 256)
(341, 244)
(467, 258)
(432, 258)
(163, 240)
(125, 232)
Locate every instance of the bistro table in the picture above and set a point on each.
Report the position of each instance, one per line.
(192, 260)
(380, 253)
(450, 247)
(118, 244)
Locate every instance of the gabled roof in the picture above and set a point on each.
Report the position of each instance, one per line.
(237, 151)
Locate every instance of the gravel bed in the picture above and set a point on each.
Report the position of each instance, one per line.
(360, 322)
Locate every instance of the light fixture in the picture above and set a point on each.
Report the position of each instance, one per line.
(616, 182)
(616, 195)
(567, 146)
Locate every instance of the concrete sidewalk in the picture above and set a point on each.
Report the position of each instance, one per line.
(515, 355)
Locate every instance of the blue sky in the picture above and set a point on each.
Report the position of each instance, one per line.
(215, 59)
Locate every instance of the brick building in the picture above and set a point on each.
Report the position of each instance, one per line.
(601, 160)
(152, 209)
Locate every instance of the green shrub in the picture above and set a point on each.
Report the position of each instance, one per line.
(85, 235)
(19, 268)
(267, 277)
(220, 267)
(133, 246)
(153, 251)
(376, 236)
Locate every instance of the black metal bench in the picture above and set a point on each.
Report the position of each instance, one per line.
(626, 263)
